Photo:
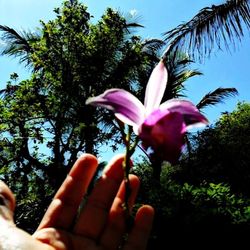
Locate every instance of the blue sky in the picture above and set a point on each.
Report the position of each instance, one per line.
(222, 69)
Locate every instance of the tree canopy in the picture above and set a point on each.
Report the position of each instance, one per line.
(206, 196)
(220, 153)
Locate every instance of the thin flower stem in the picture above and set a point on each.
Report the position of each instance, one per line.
(126, 167)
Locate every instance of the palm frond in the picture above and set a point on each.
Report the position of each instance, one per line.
(134, 25)
(216, 25)
(132, 22)
(154, 44)
(8, 91)
(176, 83)
(17, 44)
(152, 48)
(216, 96)
(179, 71)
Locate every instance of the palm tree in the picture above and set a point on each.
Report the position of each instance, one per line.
(219, 25)
(18, 44)
(179, 72)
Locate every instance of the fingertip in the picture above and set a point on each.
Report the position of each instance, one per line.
(134, 181)
(134, 184)
(145, 216)
(140, 233)
(88, 158)
(85, 160)
(117, 159)
(114, 169)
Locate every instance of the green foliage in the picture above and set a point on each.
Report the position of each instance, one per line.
(207, 211)
(221, 153)
(32, 194)
(216, 200)
(173, 198)
(206, 197)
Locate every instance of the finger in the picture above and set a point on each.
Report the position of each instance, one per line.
(7, 202)
(94, 215)
(63, 209)
(138, 237)
(116, 225)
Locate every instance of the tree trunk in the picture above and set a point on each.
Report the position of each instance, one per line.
(90, 130)
(157, 166)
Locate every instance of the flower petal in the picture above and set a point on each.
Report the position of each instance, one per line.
(165, 134)
(156, 87)
(190, 112)
(126, 107)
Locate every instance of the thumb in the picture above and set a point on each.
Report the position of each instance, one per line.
(7, 203)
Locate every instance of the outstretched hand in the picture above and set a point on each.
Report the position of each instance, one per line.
(100, 224)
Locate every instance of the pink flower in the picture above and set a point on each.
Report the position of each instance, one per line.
(160, 126)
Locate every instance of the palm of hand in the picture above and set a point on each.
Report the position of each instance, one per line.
(100, 224)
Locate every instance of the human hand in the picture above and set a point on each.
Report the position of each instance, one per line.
(101, 223)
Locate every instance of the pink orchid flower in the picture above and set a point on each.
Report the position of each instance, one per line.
(160, 126)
